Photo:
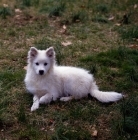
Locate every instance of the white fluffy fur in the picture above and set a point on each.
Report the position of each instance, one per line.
(47, 81)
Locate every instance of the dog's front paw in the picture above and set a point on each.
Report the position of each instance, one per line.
(45, 99)
(65, 99)
(35, 106)
(42, 100)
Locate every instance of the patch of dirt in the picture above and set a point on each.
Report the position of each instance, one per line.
(24, 138)
(22, 19)
(104, 131)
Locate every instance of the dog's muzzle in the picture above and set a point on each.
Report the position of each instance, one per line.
(41, 72)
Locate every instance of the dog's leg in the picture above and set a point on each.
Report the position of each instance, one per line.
(47, 98)
(35, 103)
(65, 99)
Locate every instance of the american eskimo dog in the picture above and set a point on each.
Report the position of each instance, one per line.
(47, 81)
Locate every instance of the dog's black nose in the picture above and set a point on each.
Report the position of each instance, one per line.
(41, 72)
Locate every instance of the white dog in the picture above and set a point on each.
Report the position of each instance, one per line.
(47, 81)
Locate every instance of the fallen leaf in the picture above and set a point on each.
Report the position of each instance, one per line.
(114, 69)
(17, 17)
(77, 20)
(62, 31)
(111, 18)
(94, 134)
(52, 129)
(42, 128)
(94, 131)
(5, 5)
(18, 11)
(64, 27)
(135, 6)
(118, 24)
(133, 46)
(25, 68)
(67, 43)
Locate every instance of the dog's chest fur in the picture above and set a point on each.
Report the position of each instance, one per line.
(37, 86)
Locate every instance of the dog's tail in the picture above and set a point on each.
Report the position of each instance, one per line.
(105, 97)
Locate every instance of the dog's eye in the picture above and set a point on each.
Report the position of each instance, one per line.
(45, 64)
(37, 63)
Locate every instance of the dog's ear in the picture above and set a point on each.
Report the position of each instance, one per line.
(50, 52)
(33, 52)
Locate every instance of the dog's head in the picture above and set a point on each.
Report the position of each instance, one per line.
(41, 60)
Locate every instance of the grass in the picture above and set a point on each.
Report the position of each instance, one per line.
(98, 45)
(130, 33)
(5, 11)
(57, 10)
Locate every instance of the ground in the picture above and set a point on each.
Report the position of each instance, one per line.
(100, 36)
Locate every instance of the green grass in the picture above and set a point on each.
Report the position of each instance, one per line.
(5, 11)
(98, 45)
(101, 19)
(117, 63)
(129, 33)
